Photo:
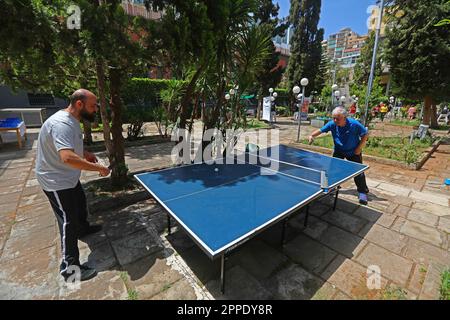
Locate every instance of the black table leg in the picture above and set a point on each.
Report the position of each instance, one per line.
(307, 215)
(336, 197)
(168, 223)
(222, 274)
(283, 231)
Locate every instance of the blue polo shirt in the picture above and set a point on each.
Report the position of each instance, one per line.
(346, 138)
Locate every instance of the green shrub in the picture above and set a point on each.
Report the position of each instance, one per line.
(282, 111)
(397, 148)
(141, 95)
(445, 285)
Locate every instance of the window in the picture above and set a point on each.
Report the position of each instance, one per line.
(40, 99)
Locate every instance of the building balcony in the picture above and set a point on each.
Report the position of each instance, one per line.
(140, 11)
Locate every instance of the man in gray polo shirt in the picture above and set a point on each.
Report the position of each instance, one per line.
(60, 159)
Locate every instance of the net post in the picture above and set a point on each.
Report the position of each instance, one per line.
(323, 180)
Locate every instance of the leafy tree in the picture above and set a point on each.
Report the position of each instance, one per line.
(46, 55)
(270, 75)
(323, 75)
(364, 62)
(418, 53)
(445, 21)
(377, 94)
(306, 43)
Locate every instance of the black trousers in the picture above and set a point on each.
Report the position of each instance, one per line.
(70, 208)
(360, 180)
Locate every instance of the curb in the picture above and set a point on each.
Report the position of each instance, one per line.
(101, 144)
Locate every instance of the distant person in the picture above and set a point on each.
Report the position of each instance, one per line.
(445, 115)
(352, 110)
(375, 111)
(412, 113)
(60, 159)
(383, 111)
(349, 137)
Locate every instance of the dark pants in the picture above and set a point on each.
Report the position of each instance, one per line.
(360, 180)
(70, 208)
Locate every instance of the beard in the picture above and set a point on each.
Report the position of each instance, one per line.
(87, 116)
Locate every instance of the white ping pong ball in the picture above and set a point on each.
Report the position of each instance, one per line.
(216, 169)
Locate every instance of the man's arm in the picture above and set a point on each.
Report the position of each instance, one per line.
(70, 158)
(316, 133)
(361, 144)
(90, 156)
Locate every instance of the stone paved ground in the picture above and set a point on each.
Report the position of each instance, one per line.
(404, 231)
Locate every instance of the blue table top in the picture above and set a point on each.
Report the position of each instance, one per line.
(220, 205)
(10, 123)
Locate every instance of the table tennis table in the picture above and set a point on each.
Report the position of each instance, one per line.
(16, 125)
(223, 205)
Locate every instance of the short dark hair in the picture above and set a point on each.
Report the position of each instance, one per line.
(76, 96)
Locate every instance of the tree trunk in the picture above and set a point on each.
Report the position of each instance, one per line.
(87, 132)
(428, 101)
(258, 110)
(184, 114)
(433, 120)
(101, 92)
(119, 168)
(187, 97)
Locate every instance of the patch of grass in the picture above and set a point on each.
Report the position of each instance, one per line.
(423, 269)
(124, 276)
(442, 127)
(396, 148)
(405, 122)
(98, 129)
(445, 285)
(324, 141)
(394, 293)
(132, 294)
(166, 287)
(256, 124)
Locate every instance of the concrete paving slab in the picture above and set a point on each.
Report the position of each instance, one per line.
(310, 254)
(151, 276)
(422, 232)
(352, 279)
(239, 285)
(344, 220)
(392, 266)
(342, 241)
(136, 246)
(105, 286)
(294, 283)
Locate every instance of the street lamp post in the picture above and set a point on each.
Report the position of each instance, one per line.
(343, 98)
(374, 59)
(273, 96)
(337, 93)
(304, 82)
(334, 88)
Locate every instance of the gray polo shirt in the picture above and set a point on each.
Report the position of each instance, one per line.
(60, 131)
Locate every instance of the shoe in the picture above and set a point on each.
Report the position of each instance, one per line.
(86, 273)
(90, 230)
(363, 198)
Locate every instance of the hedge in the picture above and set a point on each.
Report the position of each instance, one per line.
(141, 95)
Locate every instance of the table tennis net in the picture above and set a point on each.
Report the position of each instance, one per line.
(271, 166)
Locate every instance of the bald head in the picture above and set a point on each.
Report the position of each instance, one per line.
(81, 95)
(83, 104)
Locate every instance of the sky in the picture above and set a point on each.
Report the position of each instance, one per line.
(337, 14)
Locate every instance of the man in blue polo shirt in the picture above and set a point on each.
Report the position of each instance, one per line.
(349, 137)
